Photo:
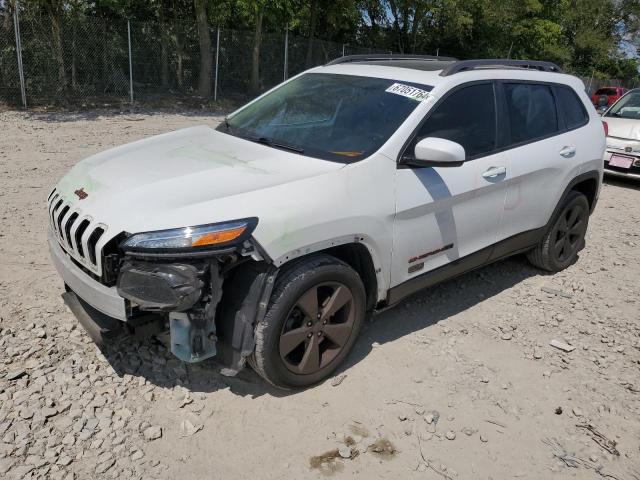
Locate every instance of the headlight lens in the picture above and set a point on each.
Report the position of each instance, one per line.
(198, 237)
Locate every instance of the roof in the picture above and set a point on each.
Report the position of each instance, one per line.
(448, 65)
(435, 71)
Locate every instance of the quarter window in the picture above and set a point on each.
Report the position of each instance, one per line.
(467, 117)
(532, 111)
(572, 108)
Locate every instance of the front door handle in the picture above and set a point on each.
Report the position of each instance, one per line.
(494, 172)
(568, 152)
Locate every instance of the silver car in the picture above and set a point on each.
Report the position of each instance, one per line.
(622, 124)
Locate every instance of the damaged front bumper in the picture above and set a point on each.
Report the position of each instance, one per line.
(188, 293)
(182, 295)
(104, 299)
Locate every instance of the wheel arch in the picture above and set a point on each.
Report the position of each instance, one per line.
(587, 183)
(353, 251)
(588, 186)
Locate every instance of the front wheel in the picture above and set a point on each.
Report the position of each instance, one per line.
(314, 317)
(560, 245)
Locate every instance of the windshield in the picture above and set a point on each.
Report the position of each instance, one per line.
(334, 117)
(627, 107)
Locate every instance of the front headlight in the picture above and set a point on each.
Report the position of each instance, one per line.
(201, 237)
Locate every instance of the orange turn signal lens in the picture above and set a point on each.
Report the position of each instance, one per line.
(214, 238)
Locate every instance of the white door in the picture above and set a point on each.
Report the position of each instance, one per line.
(446, 213)
(545, 151)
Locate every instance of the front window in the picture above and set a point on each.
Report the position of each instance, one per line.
(340, 118)
(627, 107)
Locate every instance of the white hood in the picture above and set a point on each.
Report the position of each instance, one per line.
(623, 128)
(174, 179)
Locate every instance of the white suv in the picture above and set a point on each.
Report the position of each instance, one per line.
(338, 193)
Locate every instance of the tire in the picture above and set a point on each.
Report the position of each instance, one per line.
(294, 350)
(560, 245)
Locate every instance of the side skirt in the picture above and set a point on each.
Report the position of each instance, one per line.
(505, 248)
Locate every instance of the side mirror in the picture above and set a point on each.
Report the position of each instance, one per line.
(437, 152)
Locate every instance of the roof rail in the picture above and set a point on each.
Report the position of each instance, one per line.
(465, 65)
(388, 57)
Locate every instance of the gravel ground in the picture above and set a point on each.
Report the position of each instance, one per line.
(460, 381)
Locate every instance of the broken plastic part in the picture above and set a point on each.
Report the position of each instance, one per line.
(160, 287)
(193, 334)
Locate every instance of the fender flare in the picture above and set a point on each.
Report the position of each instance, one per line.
(590, 175)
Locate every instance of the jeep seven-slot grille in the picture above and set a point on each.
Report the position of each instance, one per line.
(78, 235)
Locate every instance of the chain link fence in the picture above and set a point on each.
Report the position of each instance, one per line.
(83, 61)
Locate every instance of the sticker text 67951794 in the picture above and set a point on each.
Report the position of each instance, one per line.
(408, 91)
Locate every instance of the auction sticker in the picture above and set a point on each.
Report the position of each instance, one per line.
(408, 91)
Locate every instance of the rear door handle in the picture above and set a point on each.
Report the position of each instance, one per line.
(494, 172)
(568, 152)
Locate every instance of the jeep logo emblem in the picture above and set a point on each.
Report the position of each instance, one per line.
(81, 193)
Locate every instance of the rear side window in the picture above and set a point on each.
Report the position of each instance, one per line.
(467, 117)
(532, 111)
(606, 91)
(571, 107)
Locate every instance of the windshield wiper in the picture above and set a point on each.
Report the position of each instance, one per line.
(270, 142)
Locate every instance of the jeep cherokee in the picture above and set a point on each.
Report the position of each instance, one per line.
(268, 239)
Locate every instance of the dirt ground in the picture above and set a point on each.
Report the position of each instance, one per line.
(459, 382)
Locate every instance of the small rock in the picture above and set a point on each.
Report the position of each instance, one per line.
(577, 411)
(5, 465)
(558, 411)
(537, 354)
(337, 380)
(565, 347)
(49, 412)
(26, 413)
(15, 374)
(69, 439)
(483, 439)
(152, 433)
(103, 467)
(22, 471)
(64, 460)
(556, 292)
(137, 455)
(344, 451)
(506, 336)
(187, 428)
(450, 435)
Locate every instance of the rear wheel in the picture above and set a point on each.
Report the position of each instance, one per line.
(559, 247)
(314, 317)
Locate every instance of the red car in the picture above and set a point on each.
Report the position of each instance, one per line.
(605, 96)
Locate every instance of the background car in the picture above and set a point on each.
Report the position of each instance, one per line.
(607, 96)
(622, 154)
